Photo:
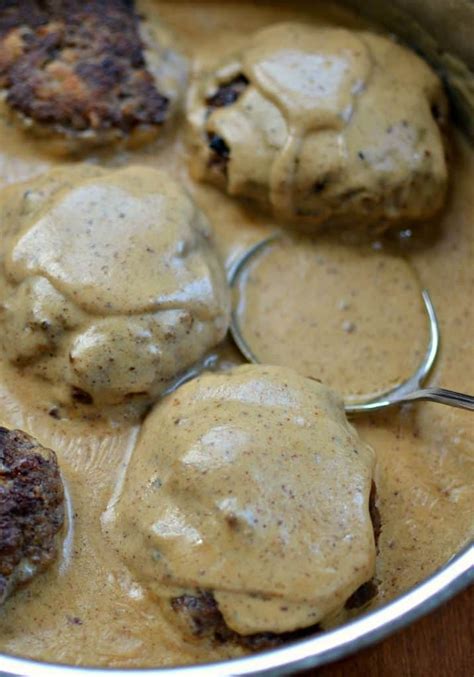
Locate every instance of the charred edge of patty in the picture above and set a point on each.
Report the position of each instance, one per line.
(228, 93)
(31, 508)
(362, 596)
(367, 591)
(78, 67)
(202, 615)
(220, 153)
(375, 514)
(25, 13)
(225, 95)
(81, 396)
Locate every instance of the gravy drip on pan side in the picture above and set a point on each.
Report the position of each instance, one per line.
(87, 609)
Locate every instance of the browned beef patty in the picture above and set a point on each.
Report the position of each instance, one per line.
(204, 620)
(201, 615)
(31, 508)
(227, 93)
(77, 66)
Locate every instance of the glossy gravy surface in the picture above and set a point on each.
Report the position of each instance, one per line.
(87, 609)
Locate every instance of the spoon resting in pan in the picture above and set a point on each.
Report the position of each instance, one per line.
(409, 390)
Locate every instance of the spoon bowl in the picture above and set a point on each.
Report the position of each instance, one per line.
(409, 390)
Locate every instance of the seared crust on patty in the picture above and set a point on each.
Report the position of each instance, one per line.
(227, 93)
(78, 67)
(31, 508)
(203, 618)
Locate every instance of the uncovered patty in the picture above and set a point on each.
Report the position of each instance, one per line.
(78, 67)
(31, 509)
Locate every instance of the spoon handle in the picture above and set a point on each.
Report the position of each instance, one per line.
(443, 396)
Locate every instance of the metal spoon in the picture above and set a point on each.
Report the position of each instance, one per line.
(408, 391)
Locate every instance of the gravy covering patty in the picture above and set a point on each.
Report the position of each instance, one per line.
(109, 284)
(89, 71)
(31, 509)
(323, 126)
(245, 506)
(199, 614)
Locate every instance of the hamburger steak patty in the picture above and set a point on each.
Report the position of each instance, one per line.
(200, 612)
(78, 66)
(31, 509)
(316, 155)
